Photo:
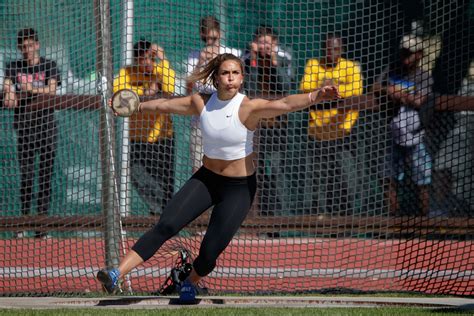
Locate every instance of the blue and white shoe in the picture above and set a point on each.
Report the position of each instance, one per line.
(187, 293)
(109, 280)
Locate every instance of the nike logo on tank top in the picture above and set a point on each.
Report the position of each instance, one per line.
(223, 134)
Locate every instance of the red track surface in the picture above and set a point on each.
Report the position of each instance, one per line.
(69, 265)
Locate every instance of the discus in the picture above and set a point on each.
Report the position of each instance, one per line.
(125, 102)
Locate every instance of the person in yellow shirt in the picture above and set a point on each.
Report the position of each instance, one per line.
(332, 124)
(330, 128)
(151, 135)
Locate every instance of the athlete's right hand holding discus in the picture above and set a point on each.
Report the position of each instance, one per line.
(228, 120)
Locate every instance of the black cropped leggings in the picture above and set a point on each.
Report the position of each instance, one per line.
(231, 198)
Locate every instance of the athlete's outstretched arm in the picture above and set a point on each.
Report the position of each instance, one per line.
(267, 109)
(183, 105)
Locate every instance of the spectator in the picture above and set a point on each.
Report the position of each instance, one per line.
(269, 74)
(210, 32)
(152, 143)
(331, 147)
(269, 66)
(25, 80)
(408, 86)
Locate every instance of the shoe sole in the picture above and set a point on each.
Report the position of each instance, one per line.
(105, 280)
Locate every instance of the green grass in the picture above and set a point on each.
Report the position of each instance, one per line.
(203, 311)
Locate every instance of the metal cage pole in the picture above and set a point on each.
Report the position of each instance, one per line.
(110, 198)
(126, 59)
(125, 178)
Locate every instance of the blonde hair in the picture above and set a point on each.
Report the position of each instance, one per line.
(209, 73)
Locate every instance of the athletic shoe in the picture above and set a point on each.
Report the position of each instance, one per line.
(109, 280)
(187, 293)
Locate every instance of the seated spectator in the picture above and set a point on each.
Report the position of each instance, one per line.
(152, 144)
(408, 87)
(332, 150)
(269, 73)
(210, 32)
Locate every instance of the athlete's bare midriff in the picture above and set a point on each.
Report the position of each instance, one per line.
(231, 168)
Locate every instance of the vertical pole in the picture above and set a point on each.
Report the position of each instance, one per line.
(109, 192)
(126, 59)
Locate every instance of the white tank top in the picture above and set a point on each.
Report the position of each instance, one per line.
(223, 134)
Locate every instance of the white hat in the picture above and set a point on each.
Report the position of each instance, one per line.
(412, 42)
